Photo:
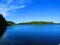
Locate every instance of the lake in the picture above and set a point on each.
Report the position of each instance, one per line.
(32, 35)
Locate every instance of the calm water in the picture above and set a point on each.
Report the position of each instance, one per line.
(31, 35)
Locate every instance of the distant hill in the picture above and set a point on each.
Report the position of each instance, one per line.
(10, 23)
(36, 22)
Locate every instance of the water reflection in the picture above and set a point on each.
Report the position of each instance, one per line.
(3, 25)
(31, 35)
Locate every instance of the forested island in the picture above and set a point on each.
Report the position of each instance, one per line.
(37, 22)
(10, 23)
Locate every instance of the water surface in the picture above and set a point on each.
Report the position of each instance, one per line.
(32, 35)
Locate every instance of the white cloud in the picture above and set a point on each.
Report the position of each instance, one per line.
(11, 5)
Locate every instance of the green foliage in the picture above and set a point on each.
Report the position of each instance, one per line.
(35, 22)
(10, 23)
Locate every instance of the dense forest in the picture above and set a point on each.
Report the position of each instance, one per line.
(37, 22)
(10, 23)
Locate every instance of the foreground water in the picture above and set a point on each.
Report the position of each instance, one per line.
(32, 35)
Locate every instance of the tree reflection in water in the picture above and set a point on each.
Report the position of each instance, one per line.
(3, 25)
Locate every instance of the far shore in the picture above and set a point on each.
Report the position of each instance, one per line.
(11, 23)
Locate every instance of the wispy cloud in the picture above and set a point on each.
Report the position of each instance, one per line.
(7, 5)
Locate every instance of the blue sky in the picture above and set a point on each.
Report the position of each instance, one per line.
(30, 10)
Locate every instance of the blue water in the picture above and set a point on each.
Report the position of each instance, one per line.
(32, 35)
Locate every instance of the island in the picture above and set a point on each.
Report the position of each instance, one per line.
(11, 23)
(36, 22)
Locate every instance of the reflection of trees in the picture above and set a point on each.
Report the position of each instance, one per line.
(3, 25)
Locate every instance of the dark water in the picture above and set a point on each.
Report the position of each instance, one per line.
(32, 35)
